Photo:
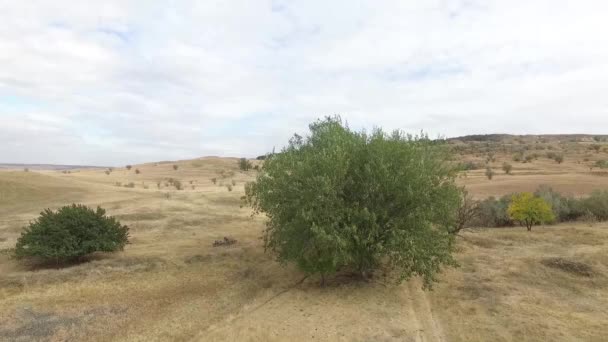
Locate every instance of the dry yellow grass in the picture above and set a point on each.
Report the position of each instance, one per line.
(171, 284)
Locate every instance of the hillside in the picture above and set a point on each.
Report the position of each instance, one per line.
(172, 284)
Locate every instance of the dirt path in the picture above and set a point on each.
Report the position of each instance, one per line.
(428, 327)
(360, 314)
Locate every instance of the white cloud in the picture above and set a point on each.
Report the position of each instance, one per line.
(131, 81)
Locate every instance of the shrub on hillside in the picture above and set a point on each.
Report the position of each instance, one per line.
(469, 165)
(602, 164)
(489, 173)
(506, 167)
(244, 164)
(597, 204)
(493, 212)
(72, 232)
(565, 208)
(530, 210)
(343, 200)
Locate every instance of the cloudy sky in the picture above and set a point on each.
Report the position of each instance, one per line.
(115, 82)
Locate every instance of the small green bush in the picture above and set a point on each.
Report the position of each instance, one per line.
(70, 233)
(506, 167)
(244, 164)
(489, 173)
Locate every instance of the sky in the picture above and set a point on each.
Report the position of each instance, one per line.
(119, 82)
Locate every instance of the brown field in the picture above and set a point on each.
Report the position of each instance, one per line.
(170, 283)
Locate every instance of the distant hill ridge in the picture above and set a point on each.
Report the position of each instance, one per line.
(502, 137)
(9, 166)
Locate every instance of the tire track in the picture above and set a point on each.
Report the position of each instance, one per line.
(427, 327)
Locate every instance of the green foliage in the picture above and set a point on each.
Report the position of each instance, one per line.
(564, 208)
(244, 164)
(493, 212)
(597, 204)
(530, 210)
(70, 233)
(345, 200)
(559, 158)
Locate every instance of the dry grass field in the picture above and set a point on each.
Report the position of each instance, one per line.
(171, 284)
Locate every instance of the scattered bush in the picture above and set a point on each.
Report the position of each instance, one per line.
(489, 173)
(118, 184)
(470, 165)
(244, 164)
(175, 167)
(229, 187)
(137, 171)
(233, 182)
(26, 170)
(130, 185)
(528, 158)
(129, 167)
(529, 210)
(343, 200)
(214, 180)
(107, 172)
(518, 157)
(559, 158)
(506, 167)
(226, 241)
(70, 233)
(595, 147)
(175, 182)
(602, 164)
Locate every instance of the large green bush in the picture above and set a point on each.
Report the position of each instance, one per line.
(493, 212)
(70, 233)
(565, 208)
(345, 200)
(597, 204)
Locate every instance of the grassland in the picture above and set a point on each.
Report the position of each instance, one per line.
(170, 283)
